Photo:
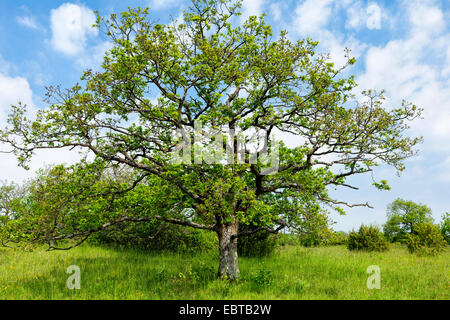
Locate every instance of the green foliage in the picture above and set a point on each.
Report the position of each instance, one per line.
(382, 185)
(445, 226)
(10, 195)
(310, 240)
(336, 238)
(259, 244)
(314, 229)
(80, 199)
(156, 236)
(402, 216)
(368, 238)
(287, 239)
(229, 76)
(262, 279)
(426, 239)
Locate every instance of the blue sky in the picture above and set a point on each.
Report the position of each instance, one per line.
(401, 46)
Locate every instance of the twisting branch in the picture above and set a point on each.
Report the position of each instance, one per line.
(86, 234)
(282, 225)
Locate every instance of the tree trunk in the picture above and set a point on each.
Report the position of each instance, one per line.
(228, 256)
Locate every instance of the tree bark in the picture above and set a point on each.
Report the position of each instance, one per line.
(228, 255)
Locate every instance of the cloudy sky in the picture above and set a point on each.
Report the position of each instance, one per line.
(401, 46)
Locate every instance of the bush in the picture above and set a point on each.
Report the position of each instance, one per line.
(259, 244)
(445, 227)
(368, 238)
(426, 239)
(336, 238)
(315, 229)
(285, 239)
(310, 240)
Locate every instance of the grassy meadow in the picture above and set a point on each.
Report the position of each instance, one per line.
(292, 272)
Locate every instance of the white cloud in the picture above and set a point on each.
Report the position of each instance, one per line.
(426, 18)
(355, 15)
(444, 170)
(312, 16)
(71, 26)
(403, 67)
(251, 8)
(10, 171)
(336, 44)
(13, 90)
(394, 66)
(275, 10)
(311, 19)
(446, 69)
(28, 21)
(4, 66)
(94, 58)
(414, 66)
(162, 4)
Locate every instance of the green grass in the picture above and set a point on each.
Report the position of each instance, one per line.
(291, 273)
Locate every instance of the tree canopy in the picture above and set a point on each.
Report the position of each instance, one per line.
(162, 79)
(402, 216)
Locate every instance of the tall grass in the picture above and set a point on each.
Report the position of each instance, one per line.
(291, 273)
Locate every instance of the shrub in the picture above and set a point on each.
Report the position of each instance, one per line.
(310, 240)
(336, 238)
(368, 238)
(285, 239)
(426, 239)
(259, 244)
(445, 227)
(315, 229)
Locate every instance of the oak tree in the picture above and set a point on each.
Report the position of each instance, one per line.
(233, 77)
